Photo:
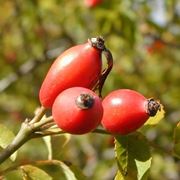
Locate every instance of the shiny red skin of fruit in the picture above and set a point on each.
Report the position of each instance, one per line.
(124, 111)
(78, 66)
(92, 3)
(72, 119)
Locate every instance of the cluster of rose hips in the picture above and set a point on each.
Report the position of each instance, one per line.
(69, 89)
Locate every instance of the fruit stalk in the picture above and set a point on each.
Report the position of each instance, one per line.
(99, 43)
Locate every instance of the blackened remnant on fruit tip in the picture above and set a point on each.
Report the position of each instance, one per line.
(84, 101)
(153, 107)
(97, 43)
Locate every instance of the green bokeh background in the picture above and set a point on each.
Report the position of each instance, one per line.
(34, 32)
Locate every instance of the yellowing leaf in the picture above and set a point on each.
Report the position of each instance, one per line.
(155, 120)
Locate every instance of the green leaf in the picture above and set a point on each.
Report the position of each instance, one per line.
(119, 176)
(69, 171)
(142, 168)
(133, 156)
(155, 120)
(34, 173)
(176, 149)
(121, 146)
(6, 137)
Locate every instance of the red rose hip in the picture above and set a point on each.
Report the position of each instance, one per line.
(77, 110)
(127, 110)
(78, 66)
(92, 3)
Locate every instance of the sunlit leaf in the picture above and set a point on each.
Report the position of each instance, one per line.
(143, 168)
(133, 157)
(6, 137)
(155, 120)
(67, 170)
(119, 176)
(177, 140)
(34, 173)
(121, 146)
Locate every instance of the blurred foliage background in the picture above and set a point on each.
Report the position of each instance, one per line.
(144, 37)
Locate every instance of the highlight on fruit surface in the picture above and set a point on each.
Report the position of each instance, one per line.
(126, 110)
(80, 65)
(77, 110)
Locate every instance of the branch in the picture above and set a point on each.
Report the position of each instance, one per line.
(26, 131)
(22, 136)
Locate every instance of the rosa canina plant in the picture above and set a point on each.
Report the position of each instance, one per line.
(69, 91)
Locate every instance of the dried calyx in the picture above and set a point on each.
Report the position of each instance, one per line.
(85, 101)
(98, 43)
(153, 107)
